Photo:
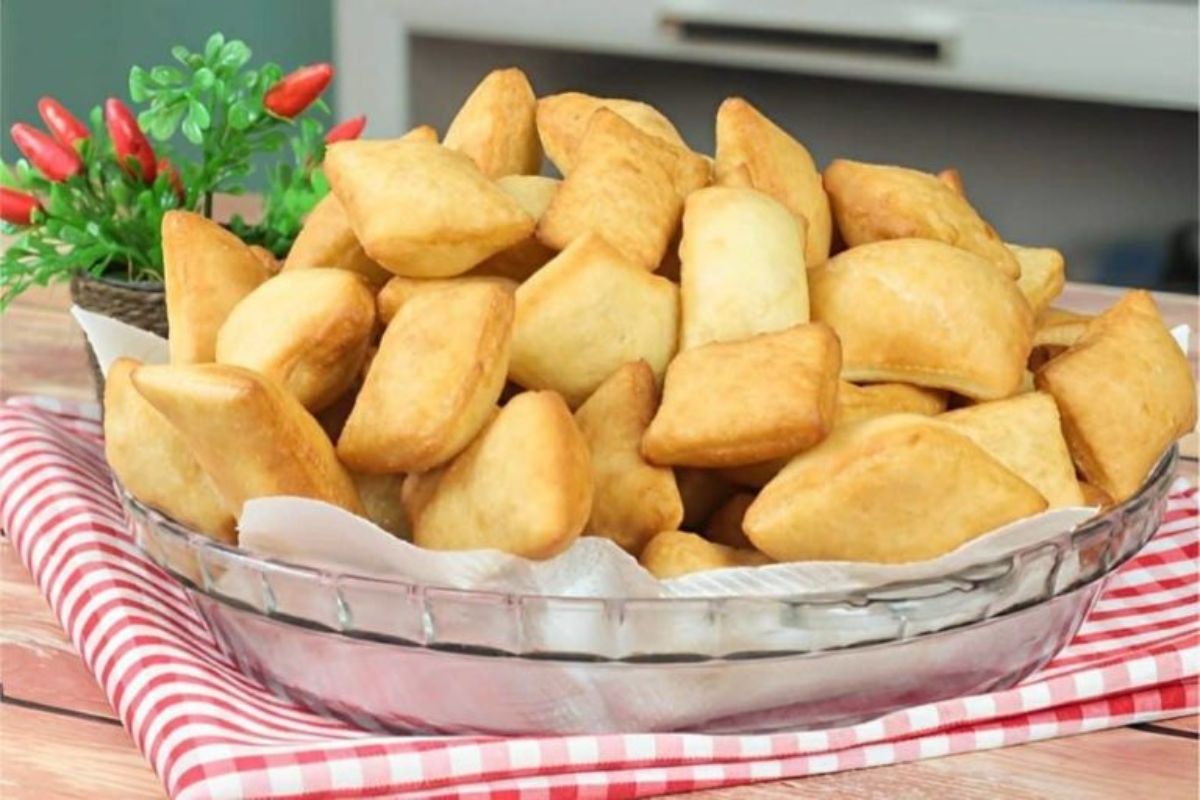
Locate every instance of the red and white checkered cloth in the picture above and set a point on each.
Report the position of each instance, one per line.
(209, 731)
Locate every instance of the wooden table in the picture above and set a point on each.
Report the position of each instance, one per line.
(60, 738)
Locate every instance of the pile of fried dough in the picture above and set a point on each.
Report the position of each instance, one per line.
(712, 362)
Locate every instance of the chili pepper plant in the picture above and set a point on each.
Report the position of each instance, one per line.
(89, 197)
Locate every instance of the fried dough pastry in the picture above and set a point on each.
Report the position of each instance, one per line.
(523, 486)
(671, 554)
(421, 133)
(888, 490)
(327, 240)
(496, 127)
(399, 290)
(207, 271)
(1024, 434)
(1043, 275)
(725, 525)
(1094, 496)
(154, 462)
(743, 272)
(533, 193)
(307, 329)
(874, 202)
(563, 118)
(633, 499)
(433, 384)
(381, 497)
(953, 178)
(854, 404)
(420, 209)
(250, 435)
(1125, 392)
(754, 152)
(1059, 328)
(922, 312)
(267, 259)
(585, 314)
(626, 186)
(731, 403)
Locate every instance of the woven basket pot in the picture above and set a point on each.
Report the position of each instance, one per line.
(142, 304)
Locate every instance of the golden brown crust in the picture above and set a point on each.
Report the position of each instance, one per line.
(207, 271)
(306, 329)
(953, 179)
(671, 554)
(922, 312)
(1094, 495)
(381, 498)
(523, 486)
(267, 259)
(1043, 275)
(327, 240)
(495, 126)
(533, 193)
(888, 490)
(743, 273)
(1024, 434)
(1057, 327)
(585, 314)
(854, 404)
(421, 133)
(633, 499)
(421, 209)
(1125, 391)
(250, 435)
(432, 385)
(563, 118)
(875, 202)
(154, 463)
(627, 187)
(399, 290)
(732, 403)
(754, 152)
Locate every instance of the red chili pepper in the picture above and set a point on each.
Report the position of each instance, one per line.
(345, 131)
(62, 123)
(17, 207)
(297, 90)
(128, 139)
(165, 167)
(52, 159)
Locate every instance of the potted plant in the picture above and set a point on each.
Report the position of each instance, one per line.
(85, 204)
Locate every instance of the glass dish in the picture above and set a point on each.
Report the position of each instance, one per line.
(403, 656)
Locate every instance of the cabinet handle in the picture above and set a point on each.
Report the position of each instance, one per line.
(909, 47)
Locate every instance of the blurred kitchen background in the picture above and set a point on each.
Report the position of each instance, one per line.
(1073, 122)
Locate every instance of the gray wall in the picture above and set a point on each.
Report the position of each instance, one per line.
(80, 51)
(1107, 185)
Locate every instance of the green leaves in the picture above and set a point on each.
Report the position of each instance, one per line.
(234, 56)
(138, 85)
(212, 48)
(105, 219)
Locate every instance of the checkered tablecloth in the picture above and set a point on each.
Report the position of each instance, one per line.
(209, 731)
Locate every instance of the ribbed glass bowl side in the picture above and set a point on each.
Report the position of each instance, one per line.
(674, 630)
